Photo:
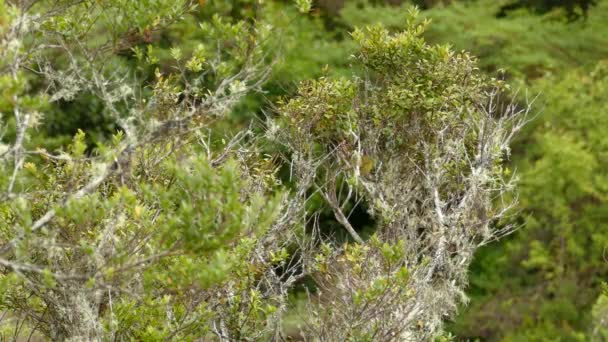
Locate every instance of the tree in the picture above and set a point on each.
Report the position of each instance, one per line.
(173, 230)
(420, 139)
(127, 240)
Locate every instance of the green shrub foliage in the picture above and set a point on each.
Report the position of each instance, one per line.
(419, 137)
(165, 223)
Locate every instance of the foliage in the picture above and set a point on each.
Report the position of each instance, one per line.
(143, 200)
(420, 140)
(563, 196)
(600, 315)
(574, 8)
(541, 283)
(298, 39)
(173, 229)
(525, 46)
(138, 237)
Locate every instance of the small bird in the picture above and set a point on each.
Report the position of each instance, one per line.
(367, 165)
